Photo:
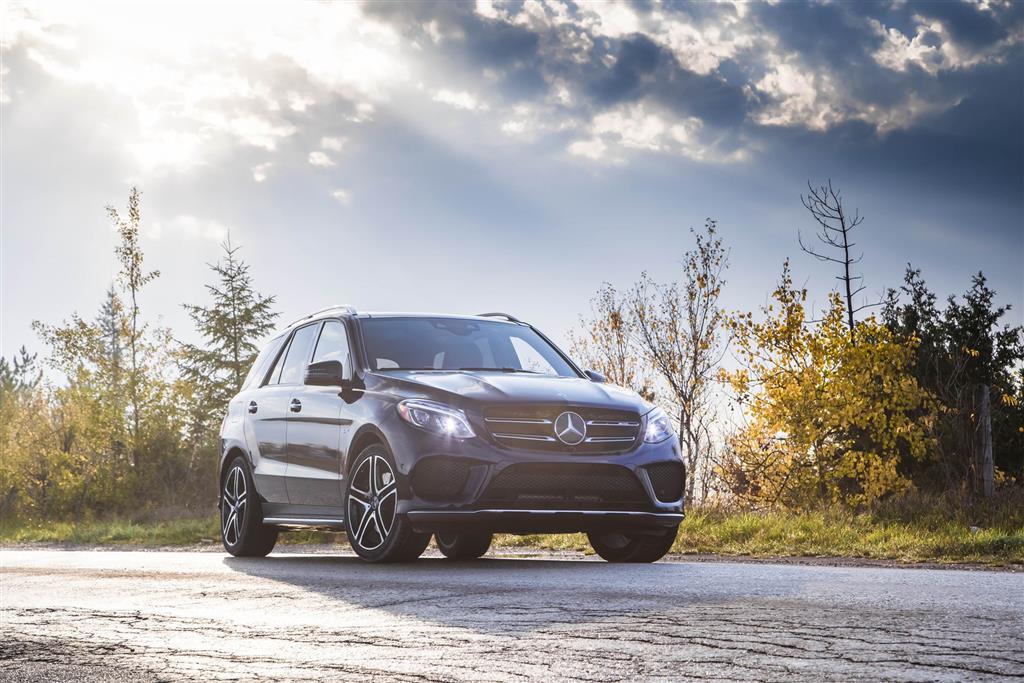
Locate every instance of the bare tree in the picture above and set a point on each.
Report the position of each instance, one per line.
(679, 331)
(826, 206)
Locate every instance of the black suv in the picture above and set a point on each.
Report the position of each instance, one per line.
(397, 426)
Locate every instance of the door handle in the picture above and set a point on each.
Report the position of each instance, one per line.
(296, 405)
(252, 406)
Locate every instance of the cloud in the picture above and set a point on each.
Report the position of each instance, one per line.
(641, 127)
(260, 171)
(459, 100)
(933, 49)
(200, 81)
(320, 159)
(189, 227)
(344, 197)
(334, 144)
(607, 81)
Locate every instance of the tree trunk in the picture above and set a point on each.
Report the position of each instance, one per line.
(983, 441)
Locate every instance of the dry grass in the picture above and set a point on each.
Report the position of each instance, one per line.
(910, 530)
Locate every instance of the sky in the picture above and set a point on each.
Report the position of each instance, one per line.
(501, 156)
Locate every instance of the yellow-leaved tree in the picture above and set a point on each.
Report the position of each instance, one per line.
(828, 419)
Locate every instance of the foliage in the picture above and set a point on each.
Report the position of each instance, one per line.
(959, 349)
(116, 432)
(664, 342)
(678, 330)
(606, 343)
(830, 421)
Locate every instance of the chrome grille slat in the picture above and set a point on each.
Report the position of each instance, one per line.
(611, 423)
(610, 439)
(524, 437)
(523, 421)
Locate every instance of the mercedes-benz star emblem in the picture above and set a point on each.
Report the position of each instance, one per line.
(570, 428)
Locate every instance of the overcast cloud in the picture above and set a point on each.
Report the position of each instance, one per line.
(514, 155)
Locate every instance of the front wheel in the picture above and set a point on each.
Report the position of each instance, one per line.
(468, 545)
(375, 529)
(241, 520)
(616, 547)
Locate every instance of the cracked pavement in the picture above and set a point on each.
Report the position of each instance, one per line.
(149, 616)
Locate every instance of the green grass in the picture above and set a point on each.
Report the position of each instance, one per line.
(921, 530)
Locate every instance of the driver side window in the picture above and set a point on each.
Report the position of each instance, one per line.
(333, 345)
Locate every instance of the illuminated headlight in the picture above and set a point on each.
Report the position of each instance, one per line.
(436, 417)
(659, 427)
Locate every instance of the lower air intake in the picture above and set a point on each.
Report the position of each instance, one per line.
(565, 486)
(440, 478)
(667, 480)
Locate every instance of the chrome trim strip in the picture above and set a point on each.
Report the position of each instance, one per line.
(663, 515)
(525, 437)
(519, 420)
(611, 423)
(305, 521)
(611, 439)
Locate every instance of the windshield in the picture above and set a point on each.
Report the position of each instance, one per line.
(458, 344)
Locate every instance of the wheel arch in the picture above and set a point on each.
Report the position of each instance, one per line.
(230, 454)
(367, 435)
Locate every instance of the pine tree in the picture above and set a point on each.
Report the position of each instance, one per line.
(111, 324)
(236, 319)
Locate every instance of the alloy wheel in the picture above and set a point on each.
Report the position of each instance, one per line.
(372, 502)
(232, 509)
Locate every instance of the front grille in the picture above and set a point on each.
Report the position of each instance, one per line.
(533, 428)
(565, 486)
(666, 480)
(440, 477)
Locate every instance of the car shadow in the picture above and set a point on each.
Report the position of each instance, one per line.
(495, 595)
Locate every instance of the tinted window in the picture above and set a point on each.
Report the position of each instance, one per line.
(262, 364)
(333, 344)
(298, 355)
(456, 343)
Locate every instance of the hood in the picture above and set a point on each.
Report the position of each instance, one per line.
(496, 388)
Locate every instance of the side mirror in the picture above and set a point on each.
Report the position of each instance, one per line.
(326, 373)
(595, 376)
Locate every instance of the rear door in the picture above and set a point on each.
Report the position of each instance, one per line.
(315, 431)
(265, 412)
(269, 409)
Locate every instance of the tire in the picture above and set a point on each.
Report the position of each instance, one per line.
(614, 547)
(241, 517)
(375, 531)
(468, 545)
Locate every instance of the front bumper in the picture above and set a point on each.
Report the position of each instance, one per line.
(542, 521)
(472, 503)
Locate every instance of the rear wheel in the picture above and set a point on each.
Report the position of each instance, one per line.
(375, 529)
(241, 520)
(464, 545)
(616, 547)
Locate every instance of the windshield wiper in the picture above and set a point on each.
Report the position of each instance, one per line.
(532, 372)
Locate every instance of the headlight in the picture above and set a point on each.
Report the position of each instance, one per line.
(436, 417)
(659, 426)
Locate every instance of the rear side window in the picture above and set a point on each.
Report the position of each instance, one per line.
(262, 364)
(294, 360)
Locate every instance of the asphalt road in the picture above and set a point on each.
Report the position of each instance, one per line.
(140, 616)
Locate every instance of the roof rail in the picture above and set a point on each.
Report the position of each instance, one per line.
(342, 307)
(498, 314)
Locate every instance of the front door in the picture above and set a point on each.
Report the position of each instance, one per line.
(316, 428)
